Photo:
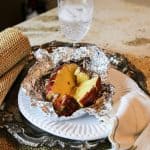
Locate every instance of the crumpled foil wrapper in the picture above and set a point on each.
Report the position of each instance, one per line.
(97, 62)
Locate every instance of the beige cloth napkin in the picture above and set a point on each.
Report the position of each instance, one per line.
(131, 128)
(14, 48)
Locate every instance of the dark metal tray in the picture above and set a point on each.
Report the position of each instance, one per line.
(25, 133)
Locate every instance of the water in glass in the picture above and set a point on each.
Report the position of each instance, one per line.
(75, 19)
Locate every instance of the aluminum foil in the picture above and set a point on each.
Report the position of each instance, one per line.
(95, 61)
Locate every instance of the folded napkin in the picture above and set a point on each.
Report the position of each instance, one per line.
(131, 124)
(14, 48)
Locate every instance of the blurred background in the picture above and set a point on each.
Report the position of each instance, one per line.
(15, 11)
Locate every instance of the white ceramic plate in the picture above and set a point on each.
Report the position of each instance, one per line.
(82, 128)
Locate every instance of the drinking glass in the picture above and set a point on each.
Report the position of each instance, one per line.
(75, 17)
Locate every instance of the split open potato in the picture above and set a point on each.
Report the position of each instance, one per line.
(71, 87)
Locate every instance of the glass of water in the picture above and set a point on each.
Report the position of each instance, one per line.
(75, 17)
